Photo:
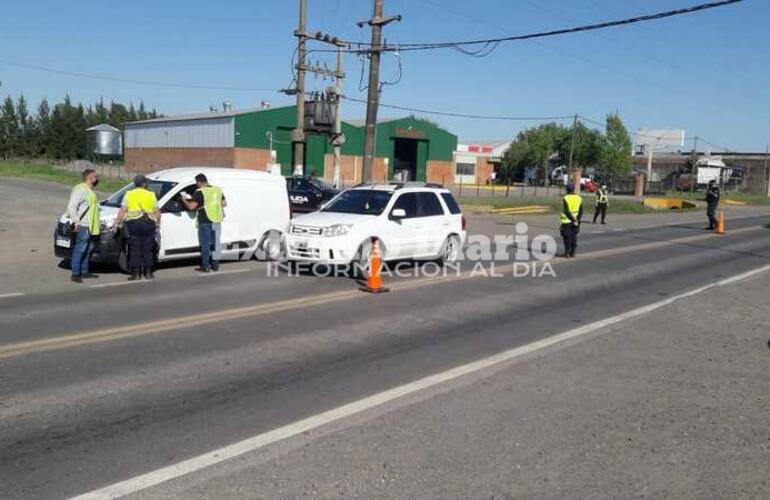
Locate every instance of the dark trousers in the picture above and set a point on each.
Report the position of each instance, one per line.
(711, 212)
(208, 237)
(601, 208)
(141, 244)
(569, 234)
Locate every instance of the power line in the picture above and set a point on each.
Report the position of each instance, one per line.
(486, 43)
(138, 82)
(464, 115)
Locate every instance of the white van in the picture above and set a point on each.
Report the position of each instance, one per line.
(256, 217)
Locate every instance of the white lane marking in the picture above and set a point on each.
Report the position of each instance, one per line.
(228, 271)
(619, 229)
(259, 441)
(118, 283)
(9, 295)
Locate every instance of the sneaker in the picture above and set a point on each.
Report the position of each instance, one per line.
(202, 269)
(215, 267)
(76, 279)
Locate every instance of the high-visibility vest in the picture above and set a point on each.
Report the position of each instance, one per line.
(140, 202)
(601, 196)
(573, 202)
(212, 203)
(93, 208)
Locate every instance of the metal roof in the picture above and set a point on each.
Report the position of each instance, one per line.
(361, 123)
(205, 116)
(102, 127)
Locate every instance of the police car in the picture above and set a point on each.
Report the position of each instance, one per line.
(307, 194)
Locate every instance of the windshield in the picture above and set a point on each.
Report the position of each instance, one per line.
(321, 184)
(160, 188)
(359, 201)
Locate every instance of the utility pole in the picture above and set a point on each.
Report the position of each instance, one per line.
(572, 146)
(694, 170)
(767, 171)
(298, 134)
(338, 139)
(372, 102)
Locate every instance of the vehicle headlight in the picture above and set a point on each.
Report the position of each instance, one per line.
(337, 230)
(107, 224)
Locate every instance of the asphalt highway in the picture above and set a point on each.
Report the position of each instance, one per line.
(99, 385)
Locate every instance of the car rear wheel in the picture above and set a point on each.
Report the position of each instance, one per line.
(450, 250)
(123, 260)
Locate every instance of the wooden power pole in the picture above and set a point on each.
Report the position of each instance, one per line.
(298, 134)
(372, 102)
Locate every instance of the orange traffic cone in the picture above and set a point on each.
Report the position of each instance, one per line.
(374, 280)
(720, 229)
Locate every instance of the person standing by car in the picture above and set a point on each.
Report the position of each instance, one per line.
(602, 202)
(571, 215)
(139, 210)
(712, 202)
(209, 201)
(83, 211)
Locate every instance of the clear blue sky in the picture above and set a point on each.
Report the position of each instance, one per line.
(708, 73)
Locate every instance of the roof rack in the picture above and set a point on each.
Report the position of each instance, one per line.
(401, 185)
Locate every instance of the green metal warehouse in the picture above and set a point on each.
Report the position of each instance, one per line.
(243, 139)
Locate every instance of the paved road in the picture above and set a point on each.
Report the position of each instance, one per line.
(102, 385)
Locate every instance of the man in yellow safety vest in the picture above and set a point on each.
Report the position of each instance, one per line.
(83, 211)
(602, 202)
(209, 201)
(141, 215)
(570, 217)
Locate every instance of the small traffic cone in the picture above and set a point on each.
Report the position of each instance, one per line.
(720, 229)
(374, 280)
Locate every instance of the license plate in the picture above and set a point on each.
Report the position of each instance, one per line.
(300, 245)
(63, 242)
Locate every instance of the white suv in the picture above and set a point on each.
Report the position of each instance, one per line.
(410, 221)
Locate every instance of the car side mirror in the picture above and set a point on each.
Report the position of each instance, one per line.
(173, 207)
(397, 213)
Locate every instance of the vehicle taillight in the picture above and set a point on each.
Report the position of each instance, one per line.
(465, 222)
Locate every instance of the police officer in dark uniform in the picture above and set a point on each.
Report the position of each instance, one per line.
(712, 202)
(602, 201)
(570, 217)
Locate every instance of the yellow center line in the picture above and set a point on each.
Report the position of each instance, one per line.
(187, 322)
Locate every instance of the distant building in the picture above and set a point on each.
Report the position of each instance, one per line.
(475, 161)
(243, 139)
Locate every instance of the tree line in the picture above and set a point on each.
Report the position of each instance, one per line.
(553, 144)
(58, 130)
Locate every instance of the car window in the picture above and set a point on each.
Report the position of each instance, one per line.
(408, 201)
(430, 206)
(451, 204)
(359, 201)
(160, 188)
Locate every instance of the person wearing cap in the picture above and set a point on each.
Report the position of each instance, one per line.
(602, 202)
(83, 211)
(140, 215)
(209, 203)
(570, 217)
